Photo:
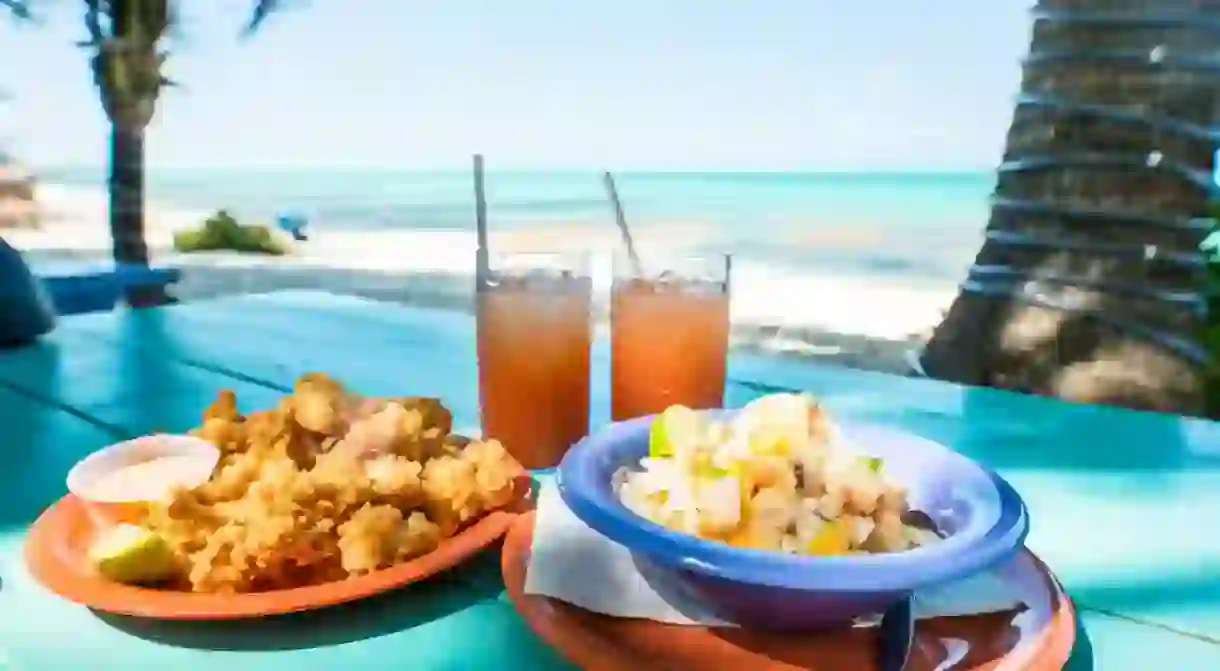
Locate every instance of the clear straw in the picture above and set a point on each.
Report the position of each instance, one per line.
(482, 257)
(620, 220)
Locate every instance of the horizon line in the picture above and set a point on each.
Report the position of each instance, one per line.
(544, 168)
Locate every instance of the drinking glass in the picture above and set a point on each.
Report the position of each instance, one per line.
(669, 334)
(534, 335)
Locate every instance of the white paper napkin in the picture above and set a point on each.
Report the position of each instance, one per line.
(572, 563)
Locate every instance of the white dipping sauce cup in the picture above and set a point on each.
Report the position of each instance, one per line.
(194, 458)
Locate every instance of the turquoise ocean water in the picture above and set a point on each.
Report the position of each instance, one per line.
(923, 225)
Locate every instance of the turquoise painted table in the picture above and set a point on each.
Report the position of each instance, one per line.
(1124, 504)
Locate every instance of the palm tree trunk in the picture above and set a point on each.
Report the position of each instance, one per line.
(127, 208)
(1088, 285)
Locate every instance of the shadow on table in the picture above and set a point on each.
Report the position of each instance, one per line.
(1031, 432)
(390, 613)
(1082, 652)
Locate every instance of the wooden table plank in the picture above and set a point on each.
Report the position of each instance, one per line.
(1106, 487)
(431, 353)
(39, 445)
(1105, 643)
(108, 375)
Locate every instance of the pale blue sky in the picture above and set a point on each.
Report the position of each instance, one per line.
(768, 84)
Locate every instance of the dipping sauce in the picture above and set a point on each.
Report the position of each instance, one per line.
(116, 482)
(144, 481)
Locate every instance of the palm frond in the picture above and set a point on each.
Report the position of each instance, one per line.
(93, 23)
(263, 9)
(18, 8)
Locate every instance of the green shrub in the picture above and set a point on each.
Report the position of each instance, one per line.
(221, 232)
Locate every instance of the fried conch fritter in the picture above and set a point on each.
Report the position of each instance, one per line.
(324, 486)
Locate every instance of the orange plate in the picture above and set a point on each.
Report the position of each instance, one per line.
(1038, 639)
(57, 543)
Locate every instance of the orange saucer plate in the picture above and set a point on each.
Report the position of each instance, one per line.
(56, 547)
(1038, 638)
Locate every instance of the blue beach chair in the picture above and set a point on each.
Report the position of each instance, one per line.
(294, 225)
(78, 288)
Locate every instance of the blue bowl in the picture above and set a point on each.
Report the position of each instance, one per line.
(984, 517)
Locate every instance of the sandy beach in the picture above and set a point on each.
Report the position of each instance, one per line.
(858, 321)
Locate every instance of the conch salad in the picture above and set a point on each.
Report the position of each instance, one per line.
(774, 478)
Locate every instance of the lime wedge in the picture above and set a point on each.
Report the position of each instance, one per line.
(873, 464)
(678, 424)
(132, 555)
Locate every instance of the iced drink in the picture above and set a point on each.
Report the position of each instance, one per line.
(534, 336)
(669, 336)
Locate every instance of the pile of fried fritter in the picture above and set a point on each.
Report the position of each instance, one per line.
(326, 486)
